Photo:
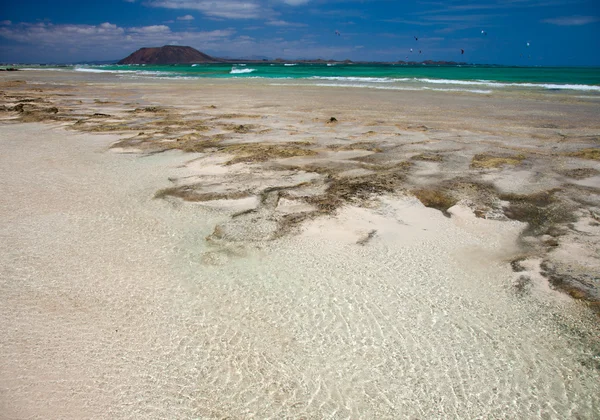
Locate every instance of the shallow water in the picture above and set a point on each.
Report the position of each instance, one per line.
(110, 310)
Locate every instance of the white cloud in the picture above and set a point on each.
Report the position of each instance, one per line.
(448, 6)
(153, 29)
(295, 2)
(5, 22)
(229, 9)
(108, 26)
(284, 23)
(47, 33)
(572, 20)
(186, 17)
(48, 42)
(106, 40)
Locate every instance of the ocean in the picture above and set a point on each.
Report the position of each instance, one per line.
(460, 78)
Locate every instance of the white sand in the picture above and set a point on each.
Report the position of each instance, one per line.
(110, 311)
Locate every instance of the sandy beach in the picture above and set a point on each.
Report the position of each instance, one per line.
(233, 249)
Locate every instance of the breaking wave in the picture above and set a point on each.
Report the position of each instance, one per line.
(241, 71)
(501, 84)
(359, 79)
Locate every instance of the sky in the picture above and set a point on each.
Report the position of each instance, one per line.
(559, 32)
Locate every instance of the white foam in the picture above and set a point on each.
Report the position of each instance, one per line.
(404, 88)
(131, 73)
(460, 82)
(44, 69)
(92, 70)
(457, 90)
(492, 83)
(241, 71)
(556, 86)
(357, 85)
(88, 70)
(289, 64)
(359, 79)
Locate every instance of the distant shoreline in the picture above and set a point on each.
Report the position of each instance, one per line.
(241, 61)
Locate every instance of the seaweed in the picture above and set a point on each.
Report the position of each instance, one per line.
(580, 173)
(435, 198)
(487, 161)
(592, 153)
(261, 152)
(347, 190)
(577, 286)
(363, 145)
(190, 193)
(429, 157)
(541, 211)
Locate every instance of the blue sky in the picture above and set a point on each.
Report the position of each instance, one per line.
(559, 32)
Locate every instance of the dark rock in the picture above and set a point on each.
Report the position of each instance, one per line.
(169, 54)
(582, 286)
(516, 265)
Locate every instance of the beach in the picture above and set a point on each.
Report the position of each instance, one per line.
(279, 249)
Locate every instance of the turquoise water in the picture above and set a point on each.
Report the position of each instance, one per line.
(479, 79)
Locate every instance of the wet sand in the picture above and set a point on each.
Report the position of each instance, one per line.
(301, 280)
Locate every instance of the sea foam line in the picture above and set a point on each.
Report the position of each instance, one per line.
(241, 71)
(88, 70)
(359, 79)
(501, 84)
(487, 83)
(130, 72)
(404, 88)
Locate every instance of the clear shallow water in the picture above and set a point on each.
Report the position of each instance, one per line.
(110, 312)
(477, 79)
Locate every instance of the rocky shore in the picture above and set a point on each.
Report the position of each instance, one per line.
(543, 171)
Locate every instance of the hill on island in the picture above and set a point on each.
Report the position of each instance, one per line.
(169, 54)
(174, 54)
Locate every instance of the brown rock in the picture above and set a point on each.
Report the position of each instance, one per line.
(169, 54)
